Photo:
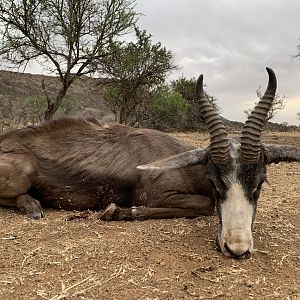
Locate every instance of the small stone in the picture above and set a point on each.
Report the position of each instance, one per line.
(249, 283)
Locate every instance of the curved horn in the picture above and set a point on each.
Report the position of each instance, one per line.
(192, 157)
(251, 133)
(278, 153)
(219, 146)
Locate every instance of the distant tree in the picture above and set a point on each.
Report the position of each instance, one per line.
(298, 116)
(64, 36)
(186, 88)
(279, 103)
(284, 126)
(33, 108)
(134, 68)
(116, 97)
(167, 110)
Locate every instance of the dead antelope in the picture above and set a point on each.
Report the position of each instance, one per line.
(76, 164)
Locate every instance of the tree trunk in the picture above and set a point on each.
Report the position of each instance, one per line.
(122, 115)
(54, 106)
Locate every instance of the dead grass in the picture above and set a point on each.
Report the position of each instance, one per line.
(57, 258)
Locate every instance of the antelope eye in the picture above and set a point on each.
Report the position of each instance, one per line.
(261, 182)
(258, 188)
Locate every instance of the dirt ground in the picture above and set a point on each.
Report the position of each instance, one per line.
(57, 258)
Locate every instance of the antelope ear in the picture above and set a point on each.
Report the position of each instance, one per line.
(192, 157)
(278, 153)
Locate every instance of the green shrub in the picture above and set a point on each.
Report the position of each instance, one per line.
(168, 110)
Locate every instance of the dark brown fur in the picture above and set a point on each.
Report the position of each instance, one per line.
(79, 164)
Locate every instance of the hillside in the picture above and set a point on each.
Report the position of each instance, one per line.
(86, 92)
(16, 87)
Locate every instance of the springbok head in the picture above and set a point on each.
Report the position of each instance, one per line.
(235, 168)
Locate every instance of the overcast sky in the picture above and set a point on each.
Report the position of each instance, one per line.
(231, 42)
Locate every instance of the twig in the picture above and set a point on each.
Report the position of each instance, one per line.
(5, 281)
(30, 253)
(262, 251)
(9, 238)
(292, 173)
(63, 294)
(120, 272)
(283, 258)
(217, 295)
(205, 278)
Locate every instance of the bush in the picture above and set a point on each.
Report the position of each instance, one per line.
(34, 108)
(167, 110)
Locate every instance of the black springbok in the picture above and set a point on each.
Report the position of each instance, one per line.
(77, 164)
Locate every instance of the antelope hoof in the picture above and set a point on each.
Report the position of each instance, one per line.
(30, 206)
(36, 215)
(109, 213)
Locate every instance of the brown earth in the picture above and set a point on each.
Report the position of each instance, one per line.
(57, 258)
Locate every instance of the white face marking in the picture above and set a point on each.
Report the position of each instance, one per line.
(236, 213)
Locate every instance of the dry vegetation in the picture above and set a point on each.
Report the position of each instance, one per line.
(15, 88)
(59, 258)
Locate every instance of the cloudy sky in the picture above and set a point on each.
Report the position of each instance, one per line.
(231, 42)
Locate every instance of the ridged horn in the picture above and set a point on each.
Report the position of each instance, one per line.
(251, 133)
(219, 146)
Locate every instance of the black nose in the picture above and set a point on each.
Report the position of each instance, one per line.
(246, 254)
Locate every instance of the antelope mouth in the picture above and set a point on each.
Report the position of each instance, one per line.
(245, 255)
(227, 251)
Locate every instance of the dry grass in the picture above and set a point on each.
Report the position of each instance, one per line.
(57, 258)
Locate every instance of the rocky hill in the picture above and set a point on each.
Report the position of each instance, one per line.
(270, 126)
(15, 88)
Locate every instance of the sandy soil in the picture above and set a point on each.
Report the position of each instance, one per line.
(58, 258)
